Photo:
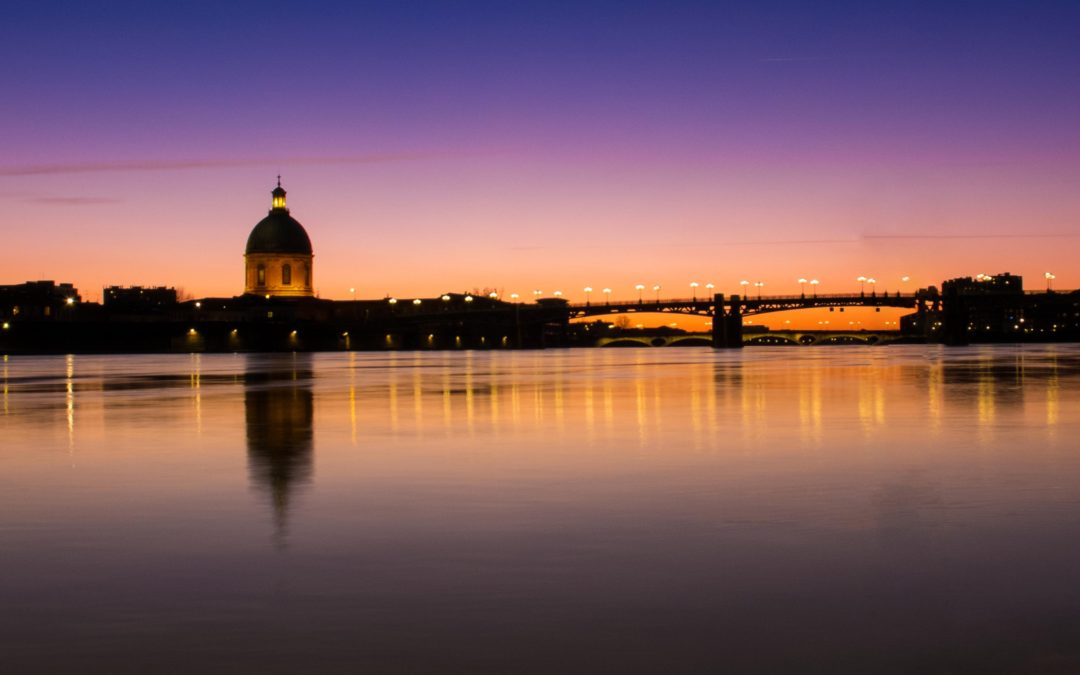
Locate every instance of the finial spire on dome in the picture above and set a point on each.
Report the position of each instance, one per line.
(278, 193)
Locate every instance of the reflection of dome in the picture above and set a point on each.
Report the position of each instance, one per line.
(279, 410)
(278, 260)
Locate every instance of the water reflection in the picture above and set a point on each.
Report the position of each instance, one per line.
(279, 412)
(631, 507)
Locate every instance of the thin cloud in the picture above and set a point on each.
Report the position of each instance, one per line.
(73, 201)
(1035, 235)
(182, 165)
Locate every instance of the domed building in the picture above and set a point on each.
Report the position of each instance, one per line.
(278, 260)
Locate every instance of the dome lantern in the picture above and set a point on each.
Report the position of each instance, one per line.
(278, 201)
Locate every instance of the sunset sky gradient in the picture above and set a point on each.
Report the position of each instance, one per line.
(446, 146)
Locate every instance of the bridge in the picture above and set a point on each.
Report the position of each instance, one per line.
(743, 306)
(727, 312)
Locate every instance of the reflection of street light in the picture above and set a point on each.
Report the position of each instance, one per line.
(862, 285)
(657, 289)
(744, 283)
(813, 284)
(758, 285)
(802, 287)
(1049, 277)
(588, 289)
(607, 296)
(640, 288)
(693, 289)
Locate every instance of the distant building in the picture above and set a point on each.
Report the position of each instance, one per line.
(37, 300)
(278, 260)
(985, 284)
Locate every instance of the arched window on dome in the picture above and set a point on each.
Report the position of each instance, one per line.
(286, 275)
(260, 275)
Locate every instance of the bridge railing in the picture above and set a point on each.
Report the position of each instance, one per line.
(652, 302)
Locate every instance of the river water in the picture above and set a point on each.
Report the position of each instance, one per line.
(896, 509)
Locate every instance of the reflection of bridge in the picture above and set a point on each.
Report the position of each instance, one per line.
(727, 312)
(780, 337)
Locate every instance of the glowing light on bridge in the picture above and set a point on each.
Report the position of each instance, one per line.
(588, 290)
(640, 289)
(607, 296)
(693, 289)
(656, 289)
(814, 284)
(744, 283)
(1049, 276)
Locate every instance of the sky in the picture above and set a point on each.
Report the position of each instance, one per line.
(448, 146)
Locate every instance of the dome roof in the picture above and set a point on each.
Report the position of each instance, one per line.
(279, 233)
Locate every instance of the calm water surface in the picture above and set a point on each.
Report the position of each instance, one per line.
(864, 510)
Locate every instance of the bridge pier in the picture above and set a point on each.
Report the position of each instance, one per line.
(726, 323)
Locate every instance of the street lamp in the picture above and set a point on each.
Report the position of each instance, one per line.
(514, 296)
(657, 289)
(744, 283)
(814, 284)
(693, 289)
(862, 285)
(557, 294)
(640, 288)
(588, 289)
(352, 291)
(709, 287)
(537, 293)
(1049, 277)
(802, 287)
(493, 295)
(871, 281)
(758, 285)
(607, 296)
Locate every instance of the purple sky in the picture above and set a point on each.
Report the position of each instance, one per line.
(445, 146)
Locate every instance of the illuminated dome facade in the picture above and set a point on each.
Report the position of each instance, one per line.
(278, 259)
